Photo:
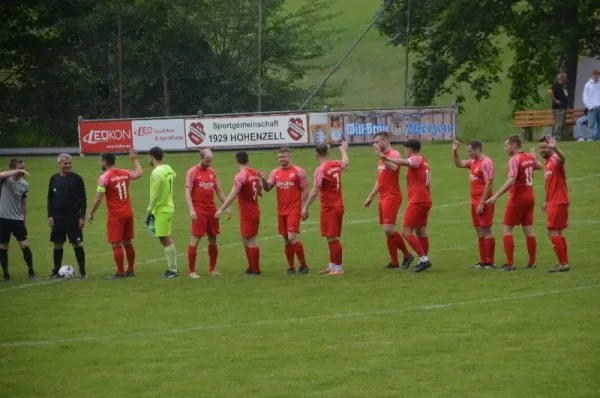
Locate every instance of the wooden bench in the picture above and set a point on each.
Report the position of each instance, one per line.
(530, 119)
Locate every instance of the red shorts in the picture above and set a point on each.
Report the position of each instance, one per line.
(521, 214)
(249, 227)
(119, 229)
(205, 224)
(416, 215)
(331, 222)
(288, 223)
(558, 217)
(486, 219)
(388, 210)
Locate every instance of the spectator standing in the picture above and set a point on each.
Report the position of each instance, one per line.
(582, 121)
(560, 103)
(591, 100)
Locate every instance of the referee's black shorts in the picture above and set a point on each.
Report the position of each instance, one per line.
(12, 227)
(66, 227)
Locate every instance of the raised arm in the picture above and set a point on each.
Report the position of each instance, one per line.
(11, 173)
(461, 164)
(137, 171)
(556, 149)
(344, 152)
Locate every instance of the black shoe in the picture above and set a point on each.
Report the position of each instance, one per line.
(422, 266)
(507, 267)
(291, 271)
(55, 275)
(116, 276)
(83, 276)
(251, 272)
(6, 277)
(531, 266)
(170, 274)
(407, 262)
(32, 275)
(303, 270)
(129, 274)
(391, 266)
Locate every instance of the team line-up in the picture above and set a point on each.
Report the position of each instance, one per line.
(67, 206)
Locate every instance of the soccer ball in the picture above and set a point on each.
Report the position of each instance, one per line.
(66, 271)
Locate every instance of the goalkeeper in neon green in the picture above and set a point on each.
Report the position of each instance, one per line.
(161, 207)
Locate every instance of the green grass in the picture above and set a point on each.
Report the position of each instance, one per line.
(451, 331)
(374, 73)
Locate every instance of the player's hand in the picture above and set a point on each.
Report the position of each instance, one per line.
(90, 218)
(479, 209)
(228, 213)
(552, 142)
(261, 174)
(544, 207)
(23, 172)
(367, 203)
(344, 146)
(133, 155)
(149, 218)
(218, 214)
(50, 222)
(81, 223)
(304, 214)
(491, 200)
(533, 152)
(455, 145)
(193, 215)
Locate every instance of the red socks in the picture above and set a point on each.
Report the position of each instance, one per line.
(119, 257)
(425, 244)
(531, 249)
(289, 254)
(566, 251)
(490, 249)
(400, 243)
(335, 252)
(191, 253)
(299, 249)
(414, 242)
(509, 249)
(213, 254)
(130, 253)
(482, 251)
(393, 250)
(253, 254)
(559, 249)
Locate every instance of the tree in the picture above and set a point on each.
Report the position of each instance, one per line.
(459, 42)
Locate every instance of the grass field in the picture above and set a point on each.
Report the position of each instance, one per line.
(450, 331)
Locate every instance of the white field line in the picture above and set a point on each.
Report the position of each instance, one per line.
(136, 336)
(347, 223)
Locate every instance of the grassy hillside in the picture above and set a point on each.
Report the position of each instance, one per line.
(374, 73)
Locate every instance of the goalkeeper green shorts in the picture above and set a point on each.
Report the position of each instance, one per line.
(162, 224)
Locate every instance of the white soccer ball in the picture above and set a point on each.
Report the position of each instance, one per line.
(66, 271)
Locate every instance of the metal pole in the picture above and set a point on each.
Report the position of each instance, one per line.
(316, 90)
(260, 29)
(406, 54)
(120, 56)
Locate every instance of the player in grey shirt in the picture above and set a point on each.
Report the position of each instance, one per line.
(13, 213)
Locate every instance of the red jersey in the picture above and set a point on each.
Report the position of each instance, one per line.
(481, 171)
(418, 177)
(328, 177)
(388, 181)
(115, 185)
(521, 167)
(203, 183)
(289, 184)
(556, 181)
(248, 181)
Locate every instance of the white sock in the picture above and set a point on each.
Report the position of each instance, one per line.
(339, 268)
(171, 255)
(424, 258)
(331, 266)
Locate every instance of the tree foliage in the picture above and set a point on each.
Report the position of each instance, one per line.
(59, 60)
(458, 42)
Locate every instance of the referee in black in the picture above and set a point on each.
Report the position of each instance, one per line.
(66, 213)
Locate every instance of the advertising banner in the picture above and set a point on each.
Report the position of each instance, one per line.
(105, 136)
(435, 124)
(246, 131)
(168, 134)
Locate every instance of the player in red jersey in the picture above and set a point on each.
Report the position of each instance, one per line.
(390, 200)
(521, 201)
(416, 215)
(482, 179)
(246, 187)
(201, 185)
(114, 184)
(328, 185)
(556, 205)
(292, 191)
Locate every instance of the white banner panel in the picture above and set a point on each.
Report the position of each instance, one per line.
(168, 134)
(246, 131)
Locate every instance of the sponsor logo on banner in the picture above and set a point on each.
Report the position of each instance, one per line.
(167, 133)
(105, 136)
(240, 131)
